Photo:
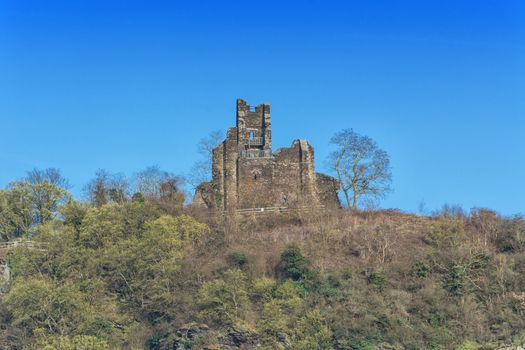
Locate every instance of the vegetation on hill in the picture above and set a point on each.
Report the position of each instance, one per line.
(143, 271)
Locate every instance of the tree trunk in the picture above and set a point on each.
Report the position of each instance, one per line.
(345, 191)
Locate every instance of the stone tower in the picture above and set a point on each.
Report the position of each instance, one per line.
(246, 174)
(254, 131)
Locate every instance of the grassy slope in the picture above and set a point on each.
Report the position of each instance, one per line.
(410, 281)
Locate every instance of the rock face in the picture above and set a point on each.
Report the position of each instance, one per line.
(247, 174)
(189, 334)
(199, 336)
(239, 340)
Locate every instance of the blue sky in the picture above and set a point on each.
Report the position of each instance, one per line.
(122, 85)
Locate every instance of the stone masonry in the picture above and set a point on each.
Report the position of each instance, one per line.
(247, 174)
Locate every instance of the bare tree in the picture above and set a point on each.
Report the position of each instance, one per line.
(362, 168)
(106, 188)
(160, 187)
(51, 175)
(202, 169)
(208, 143)
(148, 182)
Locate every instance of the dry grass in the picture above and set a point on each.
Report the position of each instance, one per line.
(332, 240)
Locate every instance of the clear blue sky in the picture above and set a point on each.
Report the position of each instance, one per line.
(121, 85)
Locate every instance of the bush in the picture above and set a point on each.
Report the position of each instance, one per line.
(468, 345)
(312, 332)
(40, 303)
(293, 264)
(273, 321)
(377, 279)
(330, 287)
(357, 343)
(79, 342)
(454, 280)
(239, 260)
(512, 239)
(225, 301)
(421, 269)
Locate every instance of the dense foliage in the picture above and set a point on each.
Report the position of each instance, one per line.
(130, 273)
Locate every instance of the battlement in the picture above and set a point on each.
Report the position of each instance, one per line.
(244, 107)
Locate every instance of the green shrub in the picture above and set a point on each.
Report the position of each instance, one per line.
(79, 342)
(359, 343)
(238, 259)
(377, 279)
(330, 287)
(312, 332)
(454, 280)
(224, 301)
(421, 269)
(293, 264)
(468, 345)
(154, 341)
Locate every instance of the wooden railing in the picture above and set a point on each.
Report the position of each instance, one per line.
(281, 210)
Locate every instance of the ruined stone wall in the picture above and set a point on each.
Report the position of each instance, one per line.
(229, 169)
(326, 190)
(256, 181)
(282, 180)
(247, 175)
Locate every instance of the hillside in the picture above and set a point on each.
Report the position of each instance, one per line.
(133, 276)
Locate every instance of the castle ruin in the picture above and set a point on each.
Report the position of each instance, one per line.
(247, 174)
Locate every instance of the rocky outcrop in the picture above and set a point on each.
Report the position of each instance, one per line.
(234, 339)
(200, 336)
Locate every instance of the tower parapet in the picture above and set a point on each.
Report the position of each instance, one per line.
(254, 130)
